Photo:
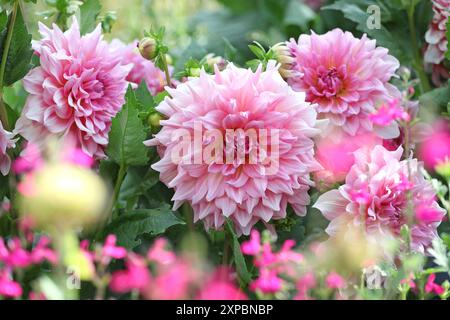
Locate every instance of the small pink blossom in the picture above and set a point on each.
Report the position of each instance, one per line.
(253, 246)
(409, 281)
(304, 284)
(221, 290)
(158, 253)
(426, 214)
(388, 113)
(8, 287)
(110, 249)
(42, 252)
(334, 281)
(7, 141)
(136, 276)
(30, 159)
(431, 286)
(267, 282)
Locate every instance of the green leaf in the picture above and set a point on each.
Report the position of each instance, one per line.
(239, 260)
(298, 14)
(127, 134)
(144, 97)
(436, 99)
(130, 225)
(89, 11)
(20, 52)
(137, 181)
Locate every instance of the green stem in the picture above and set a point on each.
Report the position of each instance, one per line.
(418, 63)
(226, 249)
(187, 212)
(166, 69)
(119, 180)
(6, 46)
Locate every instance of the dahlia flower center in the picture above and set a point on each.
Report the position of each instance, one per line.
(330, 81)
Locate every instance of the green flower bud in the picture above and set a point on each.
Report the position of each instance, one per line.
(147, 48)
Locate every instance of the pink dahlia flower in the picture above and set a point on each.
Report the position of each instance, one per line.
(76, 91)
(6, 142)
(261, 132)
(375, 196)
(143, 69)
(435, 36)
(346, 77)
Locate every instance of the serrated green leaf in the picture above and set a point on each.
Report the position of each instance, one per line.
(130, 225)
(298, 14)
(144, 97)
(127, 135)
(20, 52)
(436, 99)
(89, 11)
(239, 260)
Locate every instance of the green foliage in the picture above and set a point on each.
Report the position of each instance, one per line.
(447, 34)
(20, 52)
(89, 11)
(129, 226)
(436, 99)
(239, 260)
(127, 135)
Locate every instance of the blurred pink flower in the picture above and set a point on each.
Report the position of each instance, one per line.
(431, 286)
(238, 100)
(334, 281)
(435, 36)
(143, 69)
(6, 141)
(158, 253)
(253, 246)
(42, 252)
(110, 250)
(267, 282)
(304, 284)
(383, 173)
(76, 91)
(8, 287)
(388, 113)
(136, 276)
(173, 282)
(221, 290)
(435, 149)
(347, 77)
(14, 255)
(336, 155)
(30, 159)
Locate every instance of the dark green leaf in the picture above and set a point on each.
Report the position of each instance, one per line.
(239, 260)
(298, 14)
(130, 225)
(127, 135)
(89, 11)
(20, 52)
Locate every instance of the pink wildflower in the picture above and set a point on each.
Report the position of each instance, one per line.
(135, 277)
(334, 281)
(8, 287)
(431, 286)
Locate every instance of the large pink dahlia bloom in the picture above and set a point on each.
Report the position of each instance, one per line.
(76, 91)
(435, 36)
(346, 77)
(238, 101)
(143, 69)
(6, 142)
(375, 195)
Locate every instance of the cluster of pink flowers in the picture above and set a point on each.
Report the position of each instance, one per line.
(435, 149)
(276, 270)
(375, 195)
(14, 255)
(388, 113)
(143, 69)
(237, 99)
(346, 88)
(76, 91)
(6, 142)
(172, 277)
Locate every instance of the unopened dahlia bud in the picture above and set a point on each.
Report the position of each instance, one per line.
(194, 72)
(153, 121)
(283, 55)
(63, 196)
(147, 48)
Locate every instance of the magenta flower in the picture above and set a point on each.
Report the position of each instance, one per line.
(435, 149)
(388, 113)
(432, 287)
(334, 281)
(110, 250)
(221, 290)
(267, 282)
(435, 36)
(6, 142)
(382, 174)
(136, 276)
(304, 285)
(346, 77)
(247, 177)
(8, 287)
(143, 69)
(253, 246)
(76, 91)
(158, 253)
